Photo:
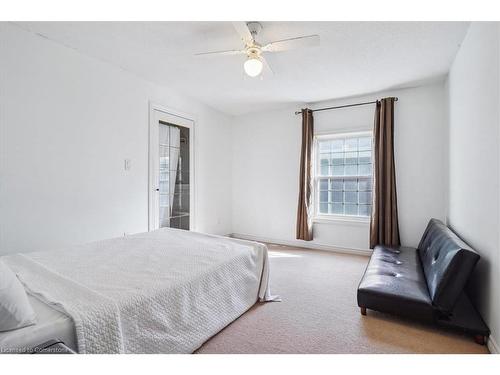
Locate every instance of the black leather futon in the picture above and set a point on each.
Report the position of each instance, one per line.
(426, 283)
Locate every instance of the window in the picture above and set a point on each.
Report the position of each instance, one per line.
(343, 178)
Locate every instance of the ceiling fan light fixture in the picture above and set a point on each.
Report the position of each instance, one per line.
(253, 66)
(254, 48)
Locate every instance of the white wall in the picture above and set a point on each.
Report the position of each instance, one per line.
(266, 153)
(67, 122)
(474, 160)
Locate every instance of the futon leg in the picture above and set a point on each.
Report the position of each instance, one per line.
(480, 339)
(363, 310)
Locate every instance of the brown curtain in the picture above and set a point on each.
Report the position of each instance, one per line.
(304, 210)
(384, 228)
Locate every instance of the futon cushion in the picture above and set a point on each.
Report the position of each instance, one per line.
(447, 262)
(395, 283)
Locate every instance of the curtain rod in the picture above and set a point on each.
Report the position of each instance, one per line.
(342, 106)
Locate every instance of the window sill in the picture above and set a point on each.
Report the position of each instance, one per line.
(337, 219)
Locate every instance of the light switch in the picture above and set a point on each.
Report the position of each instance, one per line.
(128, 164)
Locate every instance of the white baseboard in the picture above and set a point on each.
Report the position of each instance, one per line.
(493, 346)
(303, 244)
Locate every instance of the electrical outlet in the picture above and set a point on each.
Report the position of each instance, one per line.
(127, 164)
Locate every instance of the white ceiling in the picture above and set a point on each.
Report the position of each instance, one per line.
(354, 57)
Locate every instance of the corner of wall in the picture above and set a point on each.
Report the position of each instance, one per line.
(446, 193)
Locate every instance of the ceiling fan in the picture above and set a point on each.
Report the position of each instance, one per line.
(254, 50)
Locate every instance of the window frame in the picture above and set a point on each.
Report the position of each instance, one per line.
(327, 218)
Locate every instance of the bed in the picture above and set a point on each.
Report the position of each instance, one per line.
(165, 291)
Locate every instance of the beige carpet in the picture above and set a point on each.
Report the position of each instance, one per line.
(319, 314)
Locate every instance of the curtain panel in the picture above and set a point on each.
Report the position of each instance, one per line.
(305, 205)
(384, 227)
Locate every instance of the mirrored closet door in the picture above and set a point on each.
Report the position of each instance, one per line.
(170, 171)
(173, 177)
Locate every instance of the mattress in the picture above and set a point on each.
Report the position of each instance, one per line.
(50, 324)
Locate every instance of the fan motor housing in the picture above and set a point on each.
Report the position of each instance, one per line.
(253, 52)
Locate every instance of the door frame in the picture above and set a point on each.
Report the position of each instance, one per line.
(159, 112)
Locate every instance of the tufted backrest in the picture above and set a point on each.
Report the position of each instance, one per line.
(447, 262)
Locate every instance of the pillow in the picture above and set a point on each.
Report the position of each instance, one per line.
(15, 309)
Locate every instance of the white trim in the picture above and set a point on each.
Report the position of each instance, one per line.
(360, 129)
(173, 112)
(332, 219)
(181, 119)
(341, 219)
(343, 134)
(304, 244)
(492, 345)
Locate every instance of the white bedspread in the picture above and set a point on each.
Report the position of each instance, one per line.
(166, 291)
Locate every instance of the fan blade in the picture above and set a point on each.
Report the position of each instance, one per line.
(243, 31)
(292, 43)
(218, 53)
(267, 67)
